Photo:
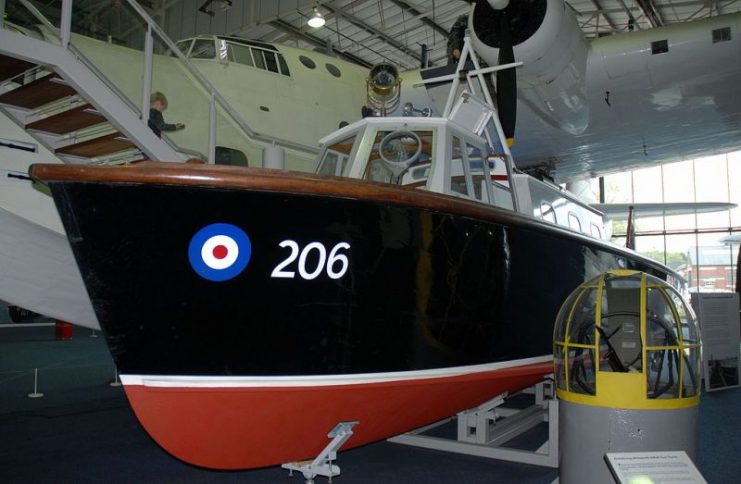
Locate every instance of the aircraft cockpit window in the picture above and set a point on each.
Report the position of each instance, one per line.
(259, 59)
(184, 46)
(240, 54)
(283, 66)
(270, 62)
(203, 49)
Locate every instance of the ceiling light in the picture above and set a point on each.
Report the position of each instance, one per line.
(317, 20)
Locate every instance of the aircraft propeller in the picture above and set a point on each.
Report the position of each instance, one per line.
(507, 78)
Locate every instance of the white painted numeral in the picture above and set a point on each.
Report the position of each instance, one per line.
(336, 263)
(341, 258)
(320, 264)
(278, 272)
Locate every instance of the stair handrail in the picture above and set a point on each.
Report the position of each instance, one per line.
(210, 88)
(63, 33)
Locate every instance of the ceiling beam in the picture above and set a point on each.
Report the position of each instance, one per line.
(650, 12)
(422, 16)
(317, 41)
(373, 31)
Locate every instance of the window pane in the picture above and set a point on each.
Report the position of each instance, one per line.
(283, 66)
(734, 178)
(257, 56)
(661, 328)
(203, 49)
(711, 181)
(647, 185)
(270, 61)
(581, 370)
(662, 377)
(241, 54)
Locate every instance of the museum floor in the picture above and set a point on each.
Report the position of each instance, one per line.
(82, 430)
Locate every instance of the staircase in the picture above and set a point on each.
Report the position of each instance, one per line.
(47, 100)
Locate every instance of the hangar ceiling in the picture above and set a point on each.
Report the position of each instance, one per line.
(366, 31)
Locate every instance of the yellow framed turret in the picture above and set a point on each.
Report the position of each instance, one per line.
(627, 340)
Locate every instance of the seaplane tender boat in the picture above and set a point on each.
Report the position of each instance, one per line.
(249, 311)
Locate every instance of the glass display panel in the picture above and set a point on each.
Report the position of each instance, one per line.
(662, 377)
(559, 367)
(691, 372)
(661, 329)
(581, 329)
(581, 371)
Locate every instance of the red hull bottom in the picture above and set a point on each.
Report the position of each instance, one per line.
(248, 427)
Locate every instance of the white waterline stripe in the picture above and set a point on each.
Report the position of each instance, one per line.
(180, 381)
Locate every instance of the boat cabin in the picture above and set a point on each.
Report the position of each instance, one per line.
(446, 155)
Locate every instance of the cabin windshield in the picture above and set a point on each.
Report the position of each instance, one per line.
(335, 156)
(401, 157)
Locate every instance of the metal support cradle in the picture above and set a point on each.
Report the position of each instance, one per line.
(322, 464)
(482, 431)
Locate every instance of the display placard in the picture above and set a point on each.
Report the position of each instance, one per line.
(718, 315)
(642, 467)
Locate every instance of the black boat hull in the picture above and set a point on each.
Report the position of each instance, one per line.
(369, 307)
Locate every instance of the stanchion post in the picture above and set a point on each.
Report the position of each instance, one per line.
(116, 382)
(36, 393)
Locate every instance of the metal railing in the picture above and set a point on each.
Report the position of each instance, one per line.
(218, 105)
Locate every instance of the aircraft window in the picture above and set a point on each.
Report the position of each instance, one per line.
(270, 61)
(184, 45)
(240, 54)
(547, 213)
(333, 70)
(596, 232)
(721, 35)
(259, 60)
(203, 49)
(307, 62)
(283, 66)
(574, 222)
(660, 47)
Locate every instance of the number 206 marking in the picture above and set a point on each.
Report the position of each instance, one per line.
(336, 263)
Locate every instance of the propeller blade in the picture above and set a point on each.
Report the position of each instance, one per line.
(506, 81)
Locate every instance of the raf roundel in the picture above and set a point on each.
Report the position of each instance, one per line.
(219, 252)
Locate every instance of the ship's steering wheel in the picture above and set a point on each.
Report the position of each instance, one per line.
(399, 149)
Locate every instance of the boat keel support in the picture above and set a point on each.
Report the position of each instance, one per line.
(483, 431)
(322, 464)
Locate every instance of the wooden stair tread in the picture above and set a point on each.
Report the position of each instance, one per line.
(37, 93)
(68, 121)
(104, 145)
(11, 67)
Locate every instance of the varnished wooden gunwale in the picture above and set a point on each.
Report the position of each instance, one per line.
(284, 181)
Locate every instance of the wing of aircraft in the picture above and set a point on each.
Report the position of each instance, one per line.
(620, 211)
